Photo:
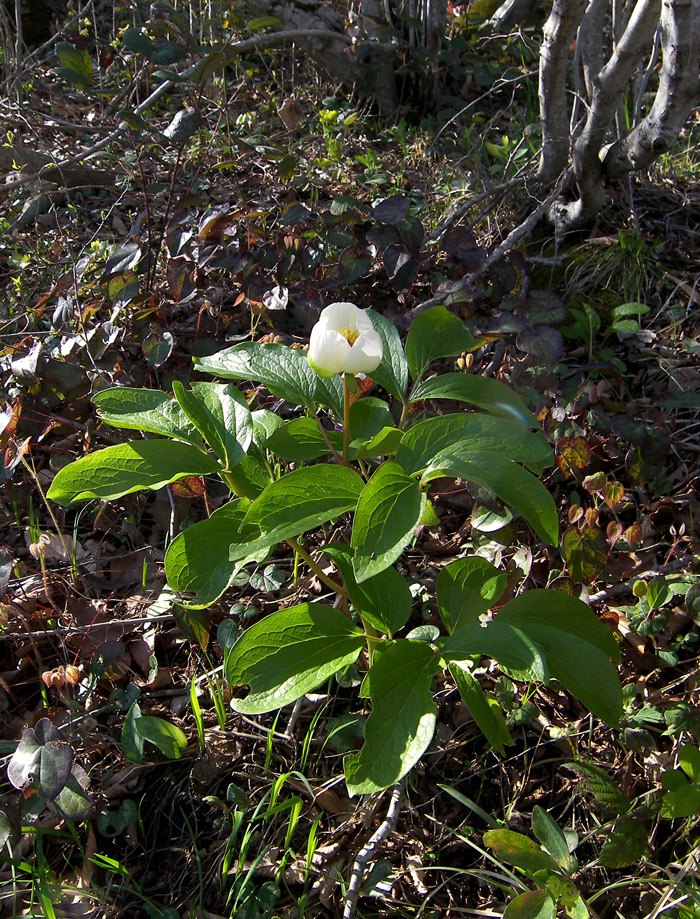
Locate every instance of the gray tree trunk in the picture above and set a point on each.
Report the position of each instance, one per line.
(599, 152)
(371, 59)
(334, 56)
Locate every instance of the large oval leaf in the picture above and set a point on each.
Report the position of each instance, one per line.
(466, 588)
(301, 440)
(300, 501)
(562, 638)
(384, 600)
(435, 333)
(392, 373)
(403, 717)
(197, 560)
(145, 410)
(389, 510)
(513, 484)
(510, 438)
(120, 470)
(285, 371)
(222, 417)
(290, 653)
(490, 394)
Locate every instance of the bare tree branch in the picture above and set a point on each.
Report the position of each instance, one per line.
(559, 33)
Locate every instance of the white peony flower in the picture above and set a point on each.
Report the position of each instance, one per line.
(344, 341)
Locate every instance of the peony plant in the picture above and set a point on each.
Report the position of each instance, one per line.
(294, 482)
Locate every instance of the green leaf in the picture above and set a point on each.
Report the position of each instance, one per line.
(290, 653)
(265, 423)
(533, 904)
(384, 600)
(484, 392)
(435, 333)
(510, 438)
(132, 741)
(222, 417)
(193, 621)
(586, 552)
(301, 440)
(169, 739)
(551, 837)
(385, 443)
(120, 470)
(262, 22)
(511, 647)
(368, 417)
(299, 501)
(601, 786)
(689, 761)
(197, 560)
(513, 484)
(403, 717)
(372, 431)
(76, 64)
(285, 371)
(42, 756)
(557, 632)
(681, 801)
(389, 510)
(330, 392)
(467, 588)
(485, 711)
(134, 40)
(73, 802)
(519, 850)
(145, 410)
(392, 373)
(251, 476)
(624, 845)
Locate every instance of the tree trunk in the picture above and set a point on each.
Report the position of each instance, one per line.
(678, 92)
(595, 157)
(334, 56)
(559, 33)
(371, 59)
(514, 13)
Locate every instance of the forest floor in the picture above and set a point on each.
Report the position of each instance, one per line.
(260, 212)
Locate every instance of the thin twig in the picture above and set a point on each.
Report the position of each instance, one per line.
(625, 586)
(690, 864)
(514, 237)
(524, 229)
(364, 855)
(492, 192)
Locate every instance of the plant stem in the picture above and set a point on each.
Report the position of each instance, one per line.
(336, 456)
(404, 412)
(373, 639)
(316, 568)
(346, 419)
(228, 478)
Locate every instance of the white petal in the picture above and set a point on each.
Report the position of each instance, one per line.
(362, 322)
(339, 316)
(328, 350)
(365, 355)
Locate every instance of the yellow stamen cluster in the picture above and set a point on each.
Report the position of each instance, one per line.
(350, 335)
